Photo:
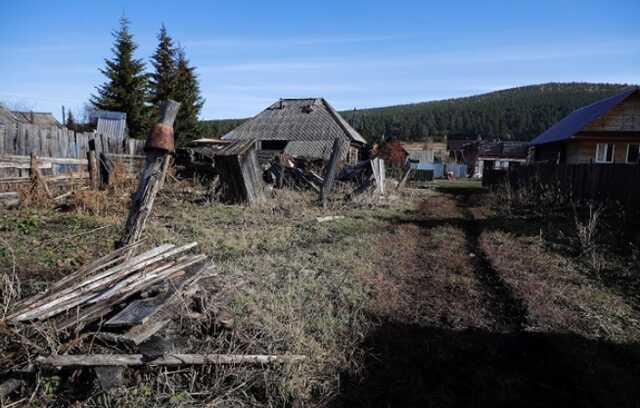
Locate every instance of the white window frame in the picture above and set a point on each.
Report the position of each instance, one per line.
(606, 151)
(628, 148)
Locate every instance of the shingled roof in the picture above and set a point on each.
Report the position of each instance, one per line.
(37, 118)
(310, 125)
(579, 119)
(503, 150)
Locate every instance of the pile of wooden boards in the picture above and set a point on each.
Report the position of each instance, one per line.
(295, 177)
(365, 174)
(110, 287)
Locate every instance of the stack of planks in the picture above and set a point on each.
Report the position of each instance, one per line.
(101, 288)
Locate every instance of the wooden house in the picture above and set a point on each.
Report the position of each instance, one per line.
(429, 151)
(500, 155)
(607, 131)
(302, 128)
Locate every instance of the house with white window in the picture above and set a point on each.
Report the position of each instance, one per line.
(607, 131)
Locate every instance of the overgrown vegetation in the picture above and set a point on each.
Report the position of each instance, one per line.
(426, 298)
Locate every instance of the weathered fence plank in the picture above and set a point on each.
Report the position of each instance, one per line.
(613, 182)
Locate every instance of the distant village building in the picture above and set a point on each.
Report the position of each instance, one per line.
(606, 131)
(303, 128)
(44, 119)
(428, 151)
(500, 155)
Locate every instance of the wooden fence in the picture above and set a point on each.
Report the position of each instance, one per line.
(57, 143)
(600, 182)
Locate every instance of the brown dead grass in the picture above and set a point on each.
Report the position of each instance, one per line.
(558, 296)
(425, 274)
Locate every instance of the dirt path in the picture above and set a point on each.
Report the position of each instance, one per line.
(450, 330)
(509, 311)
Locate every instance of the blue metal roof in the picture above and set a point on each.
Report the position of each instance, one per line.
(577, 120)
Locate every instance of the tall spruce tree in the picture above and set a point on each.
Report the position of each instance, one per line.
(126, 87)
(162, 82)
(187, 92)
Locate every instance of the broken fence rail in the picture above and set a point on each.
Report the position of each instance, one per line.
(129, 360)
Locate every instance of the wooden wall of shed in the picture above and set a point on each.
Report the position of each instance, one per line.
(623, 117)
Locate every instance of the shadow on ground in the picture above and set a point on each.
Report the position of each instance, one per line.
(413, 366)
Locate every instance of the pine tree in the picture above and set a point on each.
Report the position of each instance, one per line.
(187, 92)
(126, 86)
(162, 83)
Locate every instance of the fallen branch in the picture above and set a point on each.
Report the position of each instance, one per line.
(128, 360)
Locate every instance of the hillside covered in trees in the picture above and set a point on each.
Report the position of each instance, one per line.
(512, 114)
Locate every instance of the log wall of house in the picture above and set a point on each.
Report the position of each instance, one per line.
(623, 117)
(584, 151)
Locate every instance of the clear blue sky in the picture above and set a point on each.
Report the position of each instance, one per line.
(355, 53)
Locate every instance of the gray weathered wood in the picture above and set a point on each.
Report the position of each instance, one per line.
(330, 175)
(128, 360)
(405, 177)
(151, 180)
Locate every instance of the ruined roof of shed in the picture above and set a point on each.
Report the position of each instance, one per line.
(317, 149)
(36, 118)
(7, 117)
(579, 119)
(236, 148)
(309, 119)
(504, 150)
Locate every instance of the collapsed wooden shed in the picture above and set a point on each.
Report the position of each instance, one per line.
(240, 176)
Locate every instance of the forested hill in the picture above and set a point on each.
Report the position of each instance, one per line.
(517, 113)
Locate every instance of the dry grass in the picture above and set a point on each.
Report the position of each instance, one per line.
(288, 284)
(559, 298)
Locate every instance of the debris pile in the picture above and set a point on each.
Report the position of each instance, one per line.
(121, 302)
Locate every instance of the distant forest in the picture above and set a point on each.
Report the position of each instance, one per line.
(512, 114)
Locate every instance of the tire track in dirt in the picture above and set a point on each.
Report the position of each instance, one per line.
(509, 310)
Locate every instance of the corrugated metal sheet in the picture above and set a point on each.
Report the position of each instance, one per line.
(113, 126)
(579, 119)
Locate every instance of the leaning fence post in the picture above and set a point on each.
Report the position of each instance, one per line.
(158, 149)
(330, 176)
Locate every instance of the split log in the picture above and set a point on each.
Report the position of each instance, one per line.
(377, 166)
(330, 218)
(405, 177)
(330, 175)
(158, 149)
(129, 360)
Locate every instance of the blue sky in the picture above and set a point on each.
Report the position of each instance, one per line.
(354, 53)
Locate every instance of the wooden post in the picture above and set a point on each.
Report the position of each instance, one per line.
(330, 175)
(158, 152)
(93, 166)
(405, 176)
(36, 176)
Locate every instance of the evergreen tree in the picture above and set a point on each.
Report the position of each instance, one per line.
(126, 85)
(187, 92)
(162, 82)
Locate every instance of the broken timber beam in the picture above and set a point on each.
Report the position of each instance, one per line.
(405, 177)
(129, 360)
(330, 175)
(159, 147)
